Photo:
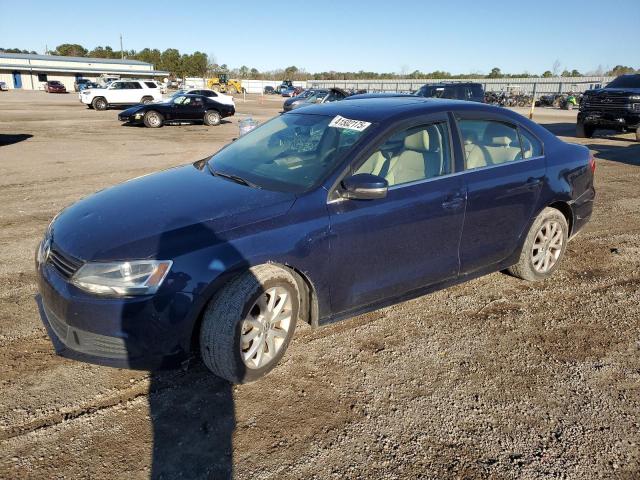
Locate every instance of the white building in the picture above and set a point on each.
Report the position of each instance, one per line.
(30, 72)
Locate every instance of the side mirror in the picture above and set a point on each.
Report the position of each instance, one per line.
(364, 186)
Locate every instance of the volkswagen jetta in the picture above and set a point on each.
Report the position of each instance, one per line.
(317, 215)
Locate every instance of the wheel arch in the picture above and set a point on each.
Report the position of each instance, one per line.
(566, 210)
(309, 311)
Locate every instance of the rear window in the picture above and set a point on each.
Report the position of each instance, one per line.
(151, 85)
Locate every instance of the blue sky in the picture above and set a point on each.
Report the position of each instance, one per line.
(456, 36)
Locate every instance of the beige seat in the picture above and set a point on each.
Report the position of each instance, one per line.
(374, 164)
(476, 157)
(501, 151)
(417, 161)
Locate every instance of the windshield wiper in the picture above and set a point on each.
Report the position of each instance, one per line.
(234, 178)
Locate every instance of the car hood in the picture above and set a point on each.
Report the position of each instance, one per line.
(132, 110)
(601, 91)
(176, 210)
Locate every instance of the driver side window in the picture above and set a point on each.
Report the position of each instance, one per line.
(411, 155)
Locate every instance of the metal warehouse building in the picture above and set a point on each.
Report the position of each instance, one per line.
(30, 72)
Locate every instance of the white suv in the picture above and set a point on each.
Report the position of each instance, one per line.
(121, 92)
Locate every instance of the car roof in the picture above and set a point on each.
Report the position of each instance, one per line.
(381, 109)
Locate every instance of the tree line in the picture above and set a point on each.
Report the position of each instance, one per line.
(199, 64)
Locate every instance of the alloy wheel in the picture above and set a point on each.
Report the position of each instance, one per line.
(266, 327)
(547, 246)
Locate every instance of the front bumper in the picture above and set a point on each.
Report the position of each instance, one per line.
(135, 118)
(147, 332)
(617, 120)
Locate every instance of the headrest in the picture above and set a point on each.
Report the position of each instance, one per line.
(498, 134)
(501, 141)
(418, 141)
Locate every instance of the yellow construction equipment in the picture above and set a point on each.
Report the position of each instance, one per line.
(223, 84)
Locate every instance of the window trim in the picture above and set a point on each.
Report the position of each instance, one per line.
(513, 124)
(363, 155)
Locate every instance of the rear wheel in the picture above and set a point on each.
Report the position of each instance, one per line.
(247, 327)
(153, 119)
(212, 118)
(544, 246)
(233, 90)
(100, 103)
(146, 100)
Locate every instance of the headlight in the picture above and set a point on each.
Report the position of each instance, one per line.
(140, 277)
(635, 98)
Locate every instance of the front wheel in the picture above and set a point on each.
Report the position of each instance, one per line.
(153, 119)
(248, 325)
(543, 248)
(99, 103)
(212, 118)
(584, 131)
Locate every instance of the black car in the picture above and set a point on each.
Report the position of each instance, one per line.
(469, 91)
(615, 107)
(181, 108)
(269, 90)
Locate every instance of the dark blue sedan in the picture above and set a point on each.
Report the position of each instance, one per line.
(317, 215)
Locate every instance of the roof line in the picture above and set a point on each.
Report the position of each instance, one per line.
(60, 58)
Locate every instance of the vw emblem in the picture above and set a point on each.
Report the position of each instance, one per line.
(607, 100)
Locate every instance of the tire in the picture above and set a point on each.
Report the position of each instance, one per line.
(226, 320)
(233, 90)
(153, 119)
(543, 248)
(146, 100)
(100, 103)
(212, 118)
(584, 131)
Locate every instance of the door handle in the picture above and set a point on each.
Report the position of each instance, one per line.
(453, 202)
(533, 183)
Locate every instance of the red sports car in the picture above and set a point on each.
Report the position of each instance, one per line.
(55, 86)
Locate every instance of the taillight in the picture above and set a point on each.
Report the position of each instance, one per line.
(592, 163)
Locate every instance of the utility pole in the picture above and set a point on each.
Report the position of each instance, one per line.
(121, 49)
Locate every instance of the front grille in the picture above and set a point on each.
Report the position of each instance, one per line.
(608, 102)
(66, 265)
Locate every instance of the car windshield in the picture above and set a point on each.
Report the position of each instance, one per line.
(316, 96)
(625, 81)
(290, 153)
(305, 93)
(437, 92)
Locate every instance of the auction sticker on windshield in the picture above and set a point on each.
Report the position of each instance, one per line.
(349, 124)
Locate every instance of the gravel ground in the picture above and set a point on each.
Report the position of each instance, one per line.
(495, 378)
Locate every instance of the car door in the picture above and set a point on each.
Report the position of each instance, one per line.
(503, 183)
(133, 93)
(387, 247)
(116, 93)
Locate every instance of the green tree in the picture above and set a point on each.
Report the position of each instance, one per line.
(620, 70)
(547, 74)
(495, 73)
(255, 74)
(171, 61)
(148, 55)
(243, 71)
(290, 72)
(70, 50)
(575, 73)
(565, 73)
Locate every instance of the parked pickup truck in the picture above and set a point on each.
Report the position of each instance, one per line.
(615, 107)
(121, 92)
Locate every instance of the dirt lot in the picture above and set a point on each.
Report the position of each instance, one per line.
(496, 378)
